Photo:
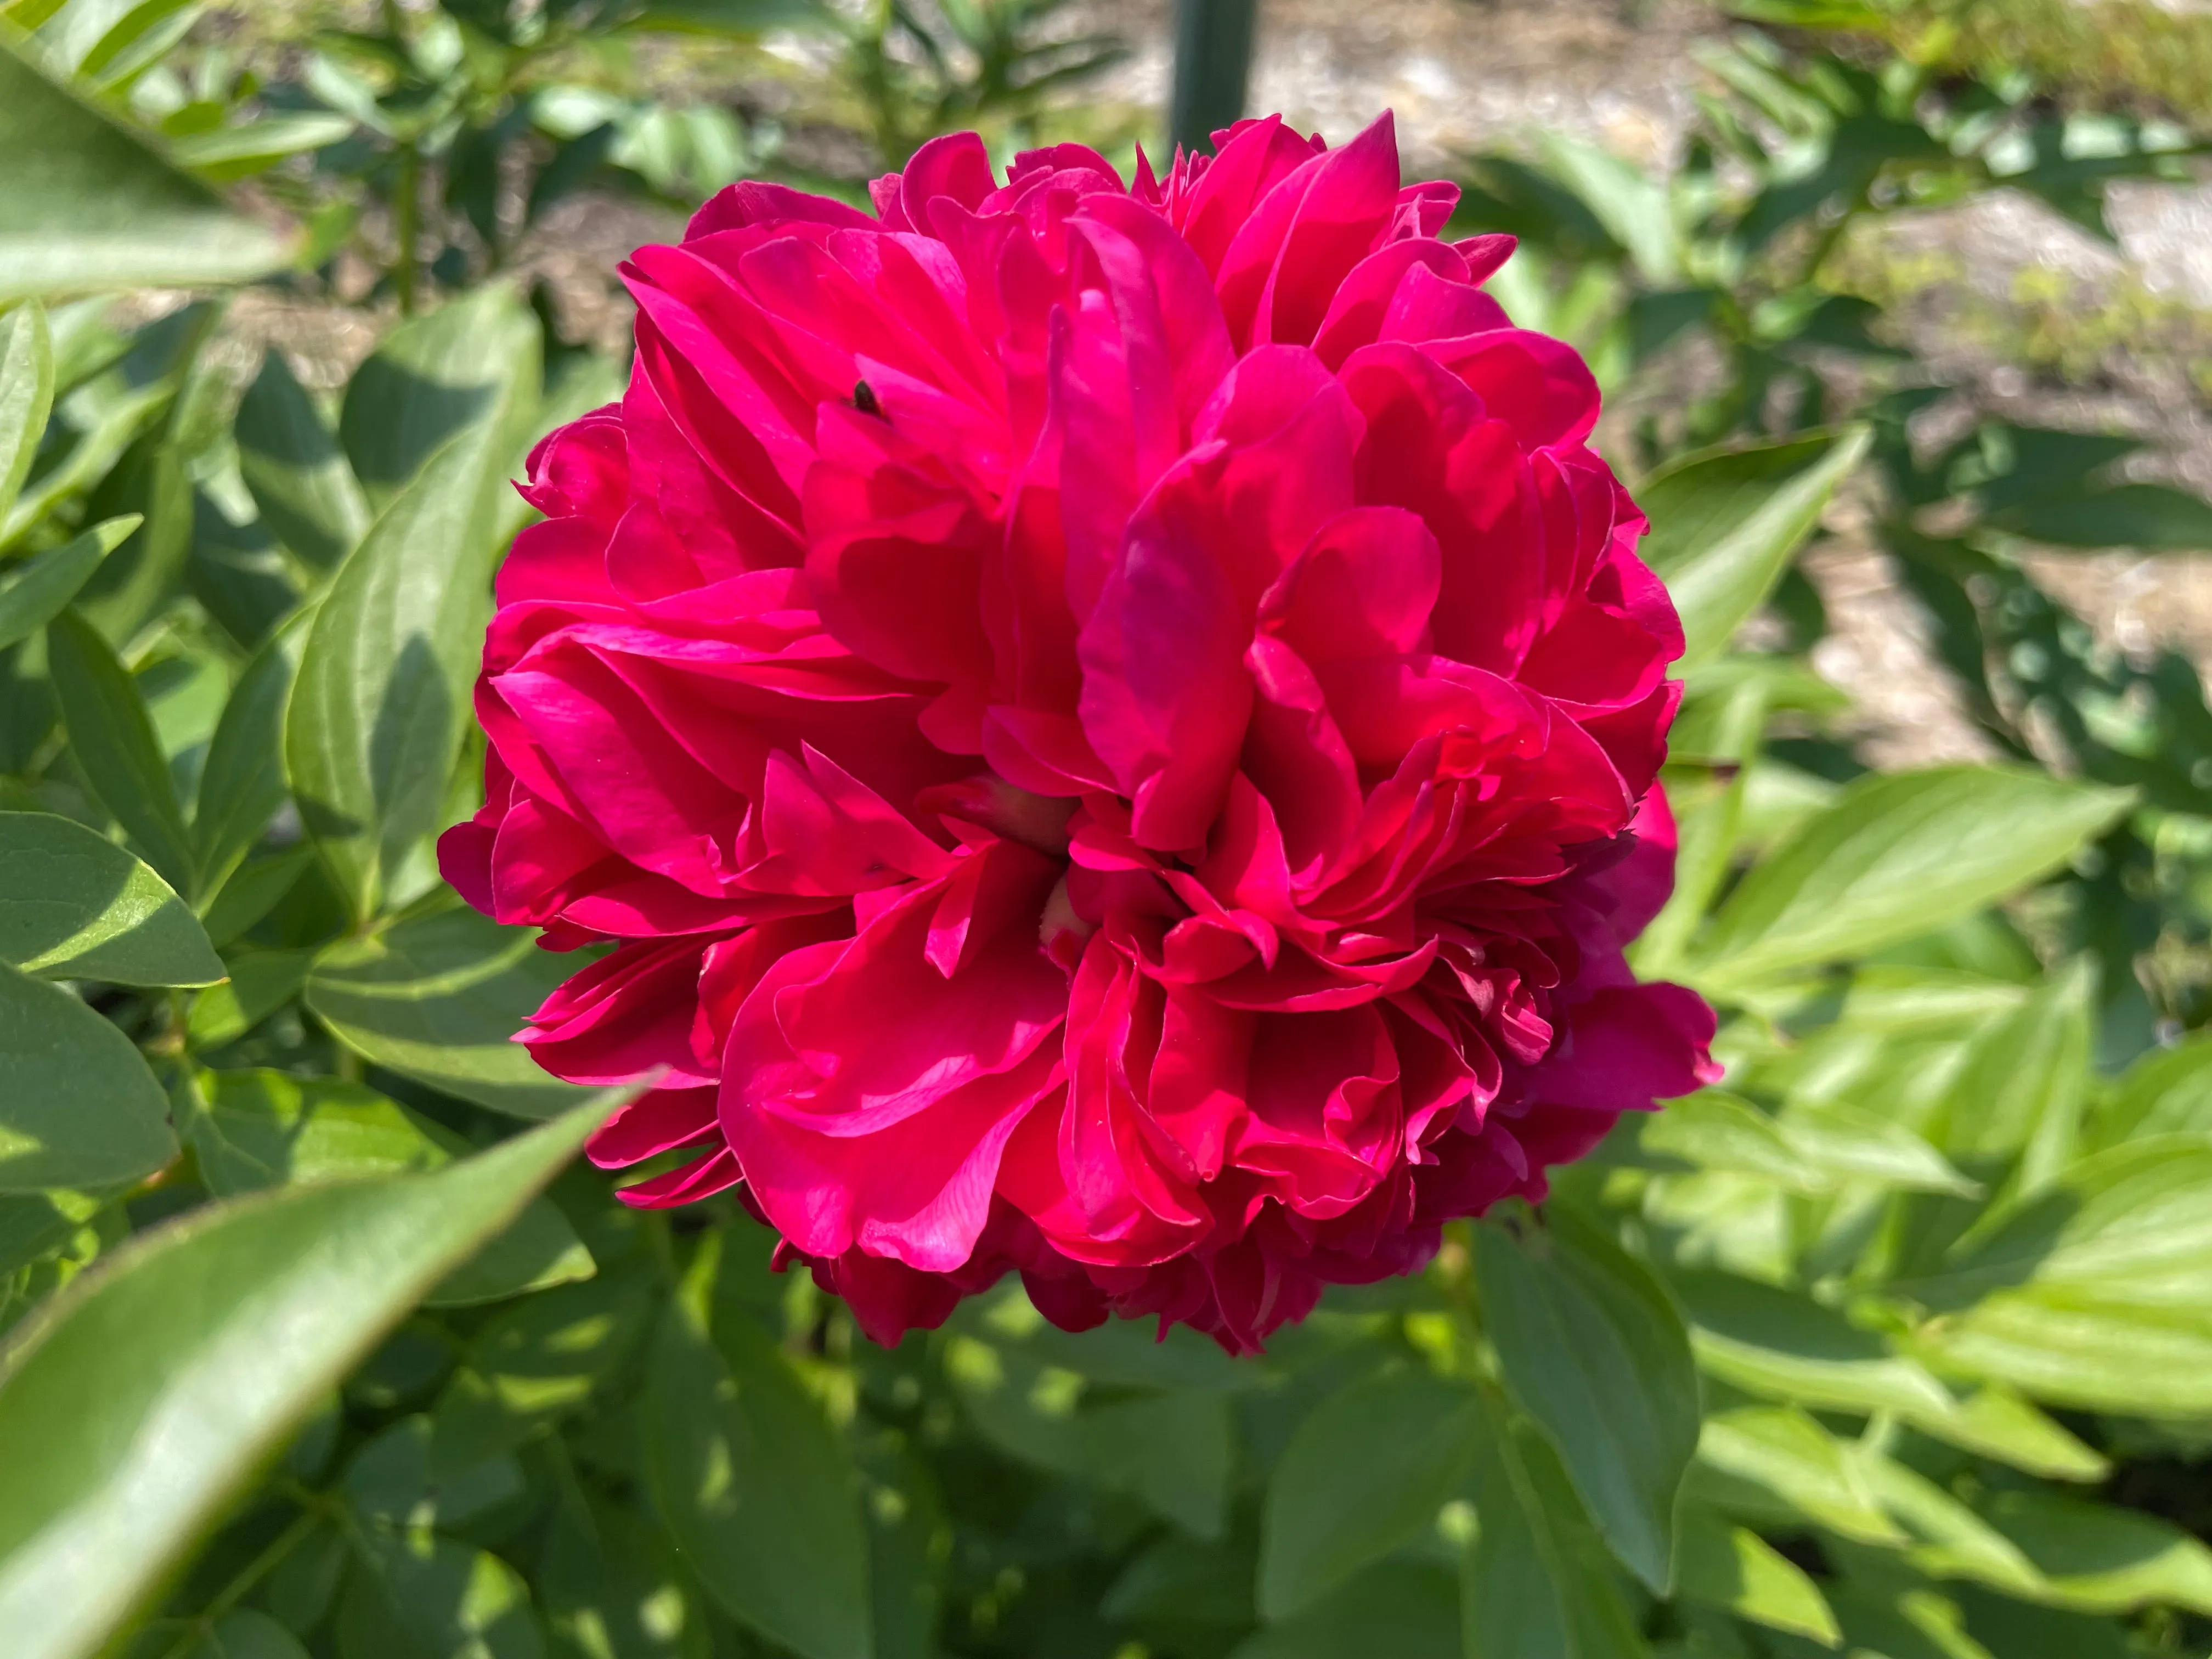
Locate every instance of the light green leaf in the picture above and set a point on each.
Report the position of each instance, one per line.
(1784, 1346)
(758, 1490)
(1899, 855)
(299, 477)
(439, 998)
(265, 1129)
(2095, 1558)
(1366, 1471)
(1852, 1142)
(2000, 1424)
(1593, 1350)
(2075, 1347)
(35, 591)
(1724, 525)
(135, 1405)
(112, 738)
(1776, 1466)
(2167, 1092)
(381, 701)
(1630, 202)
(225, 153)
(2020, 1093)
(78, 1106)
(89, 206)
(1734, 1568)
(241, 785)
(26, 394)
(1949, 1539)
(1713, 1129)
(73, 906)
(472, 363)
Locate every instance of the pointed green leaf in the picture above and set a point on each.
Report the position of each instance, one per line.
(439, 998)
(1784, 1346)
(1777, 1467)
(1724, 525)
(35, 591)
(264, 1128)
(1734, 1568)
(90, 207)
(135, 1405)
(241, 785)
(1899, 855)
(2097, 1558)
(78, 1106)
(111, 737)
(419, 1595)
(26, 394)
(298, 475)
(1593, 1350)
(73, 906)
(471, 362)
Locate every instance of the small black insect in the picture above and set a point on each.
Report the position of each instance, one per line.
(864, 399)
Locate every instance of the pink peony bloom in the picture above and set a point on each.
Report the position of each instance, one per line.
(1113, 727)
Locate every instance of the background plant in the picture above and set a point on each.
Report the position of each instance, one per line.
(1895, 1343)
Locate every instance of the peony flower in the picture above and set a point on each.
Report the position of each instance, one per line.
(1112, 729)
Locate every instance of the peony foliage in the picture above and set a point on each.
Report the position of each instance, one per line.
(1193, 978)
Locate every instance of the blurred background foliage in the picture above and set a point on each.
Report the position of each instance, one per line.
(1897, 1343)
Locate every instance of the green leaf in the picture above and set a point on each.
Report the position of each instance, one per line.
(78, 1106)
(1724, 525)
(254, 888)
(1899, 855)
(73, 906)
(112, 738)
(225, 153)
(472, 363)
(538, 1362)
(1949, 1539)
(1537, 1582)
(260, 982)
(381, 699)
(135, 1405)
(1734, 1568)
(1777, 1467)
(298, 475)
(2093, 1292)
(1392, 1610)
(1998, 1424)
(35, 591)
(1784, 1346)
(1366, 1471)
(241, 785)
(1713, 1129)
(758, 1490)
(2156, 518)
(2020, 1092)
(394, 1482)
(89, 206)
(1170, 1447)
(614, 1589)
(2167, 1092)
(1857, 1143)
(1593, 1350)
(26, 394)
(265, 1129)
(420, 1596)
(245, 1634)
(2099, 1559)
(439, 998)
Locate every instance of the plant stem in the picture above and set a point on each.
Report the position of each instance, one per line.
(247, 1576)
(406, 210)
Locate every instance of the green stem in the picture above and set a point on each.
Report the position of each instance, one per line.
(252, 1574)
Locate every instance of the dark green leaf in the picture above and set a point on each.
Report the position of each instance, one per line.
(35, 591)
(255, 888)
(2156, 517)
(758, 1490)
(1365, 1471)
(2097, 1558)
(299, 477)
(90, 207)
(111, 737)
(438, 997)
(135, 1407)
(1783, 1344)
(470, 363)
(73, 906)
(1593, 1349)
(245, 1634)
(1392, 1610)
(242, 782)
(614, 1589)
(392, 1482)
(260, 982)
(417, 1596)
(78, 1106)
